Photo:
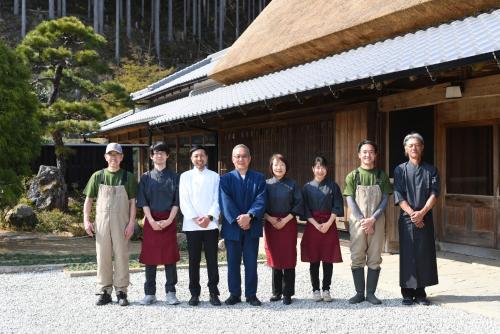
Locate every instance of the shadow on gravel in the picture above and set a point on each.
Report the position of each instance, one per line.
(298, 304)
(450, 299)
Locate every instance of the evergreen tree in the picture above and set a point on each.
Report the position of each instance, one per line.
(70, 79)
(19, 126)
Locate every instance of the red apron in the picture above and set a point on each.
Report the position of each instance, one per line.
(281, 245)
(316, 246)
(159, 247)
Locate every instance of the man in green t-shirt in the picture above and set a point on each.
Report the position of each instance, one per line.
(366, 189)
(114, 190)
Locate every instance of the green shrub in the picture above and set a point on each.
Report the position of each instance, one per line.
(183, 245)
(56, 221)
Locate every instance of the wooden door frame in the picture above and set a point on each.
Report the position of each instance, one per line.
(441, 129)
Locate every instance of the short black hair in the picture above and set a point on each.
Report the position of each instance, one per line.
(321, 160)
(196, 148)
(368, 142)
(159, 146)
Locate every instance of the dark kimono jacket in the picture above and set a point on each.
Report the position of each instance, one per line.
(240, 196)
(417, 254)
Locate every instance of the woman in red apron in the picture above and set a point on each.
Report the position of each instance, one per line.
(159, 198)
(283, 203)
(323, 203)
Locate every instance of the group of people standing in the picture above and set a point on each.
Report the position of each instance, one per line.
(248, 204)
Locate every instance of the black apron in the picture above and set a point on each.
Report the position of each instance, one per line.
(417, 253)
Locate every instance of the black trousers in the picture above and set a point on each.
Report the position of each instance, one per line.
(327, 275)
(412, 293)
(283, 282)
(170, 273)
(208, 240)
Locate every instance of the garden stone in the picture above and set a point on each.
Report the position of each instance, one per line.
(21, 217)
(48, 189)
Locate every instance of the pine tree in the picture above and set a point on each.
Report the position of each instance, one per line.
(69, 78)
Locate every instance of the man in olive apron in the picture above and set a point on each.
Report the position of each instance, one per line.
(416, 188)
(115, 191)
(366, 189)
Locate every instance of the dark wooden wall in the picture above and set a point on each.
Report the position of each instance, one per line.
(299, 142)
(86, 160)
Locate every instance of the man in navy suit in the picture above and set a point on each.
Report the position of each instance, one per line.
(242, 203)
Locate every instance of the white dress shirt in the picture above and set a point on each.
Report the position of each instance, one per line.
(199, 196)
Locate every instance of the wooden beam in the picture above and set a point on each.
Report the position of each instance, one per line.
(488, 86)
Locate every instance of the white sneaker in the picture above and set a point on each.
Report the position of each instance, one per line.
(172, 299)
(317, 296)
(326, 296)
(148, 300)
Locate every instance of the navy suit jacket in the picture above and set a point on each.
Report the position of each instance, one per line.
(239, 196)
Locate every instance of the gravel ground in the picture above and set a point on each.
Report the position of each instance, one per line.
(53, 303)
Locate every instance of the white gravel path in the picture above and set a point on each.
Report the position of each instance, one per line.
(52, 303)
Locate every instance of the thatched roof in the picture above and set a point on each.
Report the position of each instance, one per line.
(291, 32)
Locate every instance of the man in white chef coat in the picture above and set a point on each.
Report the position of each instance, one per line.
(198, 197)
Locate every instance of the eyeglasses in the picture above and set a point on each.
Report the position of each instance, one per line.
(243, 156)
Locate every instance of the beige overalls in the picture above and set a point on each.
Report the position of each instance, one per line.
(367, 249)
(112, 217)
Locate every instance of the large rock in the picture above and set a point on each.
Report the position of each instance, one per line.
(48, 189)
(21, 217)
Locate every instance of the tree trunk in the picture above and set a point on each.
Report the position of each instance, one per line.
(194, 18)
(185, 20)
(170, 28)
(56, 84)
(249, 11)
(216, 29)
(96, 16)
(23, 18)
(117, 30)
(157, 29)
(121, 11)
(237, 24)
(57, 137)
(59, 8)
(101, 17)
(142, 11)
(222, 17)
(16, 7)
(63, 8)
(207, 13)
(199, 20)
(153, 4)
(51, 9)
(129, 20)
